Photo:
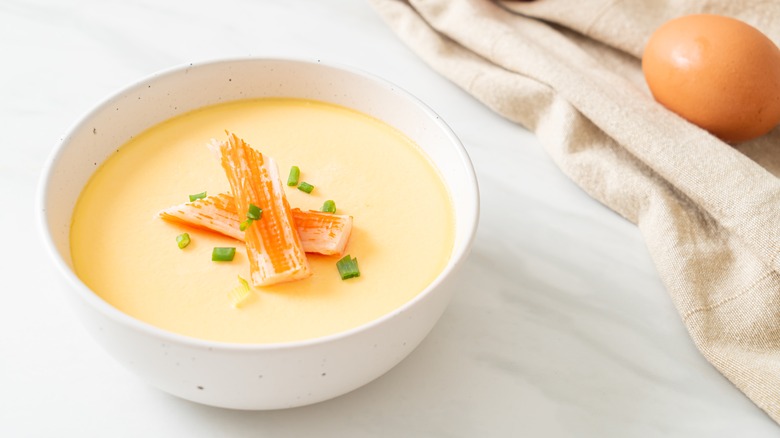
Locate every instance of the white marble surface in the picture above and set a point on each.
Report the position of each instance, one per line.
(560, 326)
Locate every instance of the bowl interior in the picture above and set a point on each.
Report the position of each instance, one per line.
(160, 97)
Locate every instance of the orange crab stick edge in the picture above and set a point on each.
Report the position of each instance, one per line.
(215, 213)
(321, 233)
(272, 244)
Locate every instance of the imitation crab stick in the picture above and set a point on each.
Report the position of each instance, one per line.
(216, 213)
(272, 244)
(323, 233)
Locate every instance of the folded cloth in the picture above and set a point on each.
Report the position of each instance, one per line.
(709, 212)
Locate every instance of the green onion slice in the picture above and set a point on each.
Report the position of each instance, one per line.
(254, 213)
(295, 173)
(328, 206)
(244, 225)
(197, 196)
(305, 187)
(183, 240)
(240, 293)
(348, 267)
(223, 254)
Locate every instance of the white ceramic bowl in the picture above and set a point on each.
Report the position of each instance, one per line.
(252, 376)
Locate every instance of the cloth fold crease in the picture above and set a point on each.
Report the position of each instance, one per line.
(708, 211)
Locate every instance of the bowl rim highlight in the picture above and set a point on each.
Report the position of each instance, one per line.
(457, 257)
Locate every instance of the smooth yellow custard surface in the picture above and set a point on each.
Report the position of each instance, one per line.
(402, 236)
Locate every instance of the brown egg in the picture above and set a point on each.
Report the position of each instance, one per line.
(718, 73)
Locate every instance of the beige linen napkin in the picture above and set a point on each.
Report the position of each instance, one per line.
(569, 71)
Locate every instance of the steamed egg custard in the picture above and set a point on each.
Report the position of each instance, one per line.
(402, 234)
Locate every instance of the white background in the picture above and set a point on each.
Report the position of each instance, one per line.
(560, 326)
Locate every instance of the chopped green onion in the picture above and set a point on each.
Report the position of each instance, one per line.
(329, 206)
(348, 267)
(223, 254)
(183, 240)
(239, 293)
(197, 196)
(295, 173)
(254, 213)
(305, 187)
